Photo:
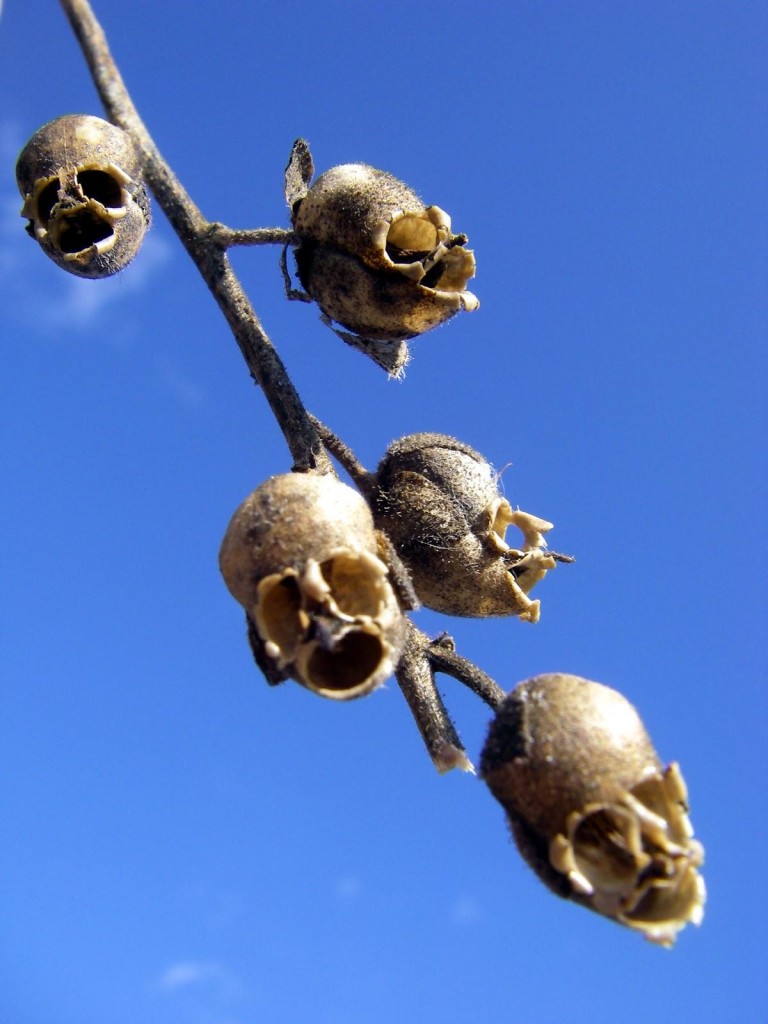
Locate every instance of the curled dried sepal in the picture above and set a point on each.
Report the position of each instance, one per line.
(301, 555)
(298, 173)
(438, 501)
(375, 258)
(80, 177)
(590, 806)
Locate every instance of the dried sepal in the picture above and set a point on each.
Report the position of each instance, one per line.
(298, 173)
(80, 177)
(377, 260)
(302, 556)
(392, 356)
(591, 807)
(438, 501)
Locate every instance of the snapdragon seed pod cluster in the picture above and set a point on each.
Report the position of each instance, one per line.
(81, 180)
(376, 259)
(591, 807)
(438, 501)
(302, 556)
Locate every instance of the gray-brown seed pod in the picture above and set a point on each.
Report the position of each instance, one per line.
(591, 807)
(376, 259)
(303, 558)
(80, 177)
(438, 501)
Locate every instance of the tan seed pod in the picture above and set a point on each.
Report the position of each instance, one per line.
(591, 807)
(80, 177)
(373, 305)
(376, 259)
(438, 501)
(301, 555)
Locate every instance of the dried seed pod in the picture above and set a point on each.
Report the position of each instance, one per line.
(438, 501)
(590, 806)
(302, 556)
(375, 258)
(375, 305)
(83, 194)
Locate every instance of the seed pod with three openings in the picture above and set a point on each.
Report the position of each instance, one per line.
(438, 501)
(377, 260)
(303, 558)
(80, 177)
(590, 806)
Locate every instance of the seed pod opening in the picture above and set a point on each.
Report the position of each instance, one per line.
(591, 807)
(80, 177)
(376, 259)
(301, 555)
(438, 501)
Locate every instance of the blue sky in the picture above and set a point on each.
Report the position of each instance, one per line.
(182, 844)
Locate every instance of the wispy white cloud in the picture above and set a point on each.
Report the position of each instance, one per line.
(211, 974)
(11, 139)
(39, 295)
(465, 911)
(182, 387)
(35, 293)
(84, 302)
(187, 973)
(10, 220)
(348, 888)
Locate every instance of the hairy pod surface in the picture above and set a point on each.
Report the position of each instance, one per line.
(80, 177)
(376, 259)
(591, 807)
(302, 556)
(438, 501)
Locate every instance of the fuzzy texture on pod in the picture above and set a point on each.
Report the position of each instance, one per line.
(376, 259)
(438, 501)
(303, 558)
(80, 177)
(591, 807)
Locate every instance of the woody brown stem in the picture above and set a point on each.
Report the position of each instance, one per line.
(443, 657)
(199, 238)
(416, 680)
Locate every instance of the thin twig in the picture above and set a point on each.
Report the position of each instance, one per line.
(228, 237)
(291, 293)
(416, 680)
(197, 235)
(443, 657)
(344, 455)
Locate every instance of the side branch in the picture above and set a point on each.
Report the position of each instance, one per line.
(228, 237)
(197, 235)
(443, 658)
(364, 479)
(417, 682)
